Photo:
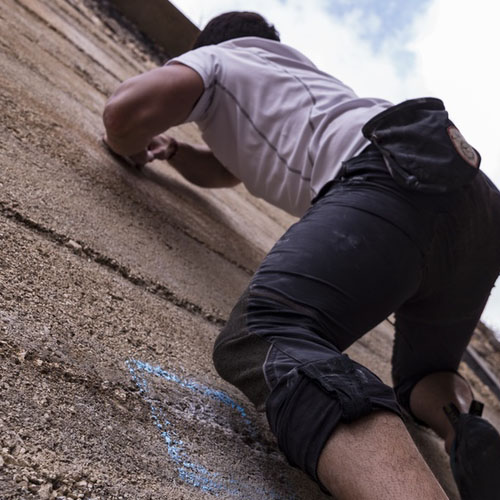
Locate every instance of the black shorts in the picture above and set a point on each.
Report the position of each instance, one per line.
(368, 247)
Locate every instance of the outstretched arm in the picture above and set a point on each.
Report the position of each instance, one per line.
(147, 105)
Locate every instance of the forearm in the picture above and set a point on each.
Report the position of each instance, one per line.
(199, 166)
(145, 106)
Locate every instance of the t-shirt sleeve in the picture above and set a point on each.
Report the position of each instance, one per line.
(204, 62)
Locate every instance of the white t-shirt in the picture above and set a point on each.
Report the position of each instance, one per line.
(274, 120)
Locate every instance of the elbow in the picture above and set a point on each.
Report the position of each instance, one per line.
(113, 118)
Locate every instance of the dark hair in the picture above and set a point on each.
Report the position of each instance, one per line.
(235, 25)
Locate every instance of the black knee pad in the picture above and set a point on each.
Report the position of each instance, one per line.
(309, 401)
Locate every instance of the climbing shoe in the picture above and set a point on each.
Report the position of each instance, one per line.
(475, 454)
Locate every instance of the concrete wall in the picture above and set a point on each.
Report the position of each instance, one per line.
(113, 287)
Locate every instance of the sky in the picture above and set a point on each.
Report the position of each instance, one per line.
(397, 50)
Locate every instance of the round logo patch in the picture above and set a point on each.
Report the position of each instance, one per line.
(464, 149)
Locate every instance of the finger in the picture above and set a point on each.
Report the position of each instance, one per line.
(158, 151)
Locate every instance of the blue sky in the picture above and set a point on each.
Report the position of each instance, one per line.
(391, 17)
(382, 23)
(397, 50)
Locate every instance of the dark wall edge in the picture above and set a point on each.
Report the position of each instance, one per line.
(162, 22)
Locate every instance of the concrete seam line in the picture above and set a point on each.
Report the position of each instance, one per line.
(213, 250)
(81, 249)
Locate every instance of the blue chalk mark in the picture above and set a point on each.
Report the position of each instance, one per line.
(194, 386)
(188, 471)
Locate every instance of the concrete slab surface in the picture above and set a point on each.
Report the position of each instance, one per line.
(113, 286)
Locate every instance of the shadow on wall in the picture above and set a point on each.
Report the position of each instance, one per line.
(156, 191)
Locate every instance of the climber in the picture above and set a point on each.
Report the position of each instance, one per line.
(395, 216)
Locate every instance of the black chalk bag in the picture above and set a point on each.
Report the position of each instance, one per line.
(422, 148)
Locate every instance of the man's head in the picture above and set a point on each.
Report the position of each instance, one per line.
(235, 25)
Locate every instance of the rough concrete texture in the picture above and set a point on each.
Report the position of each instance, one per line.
(113, 286)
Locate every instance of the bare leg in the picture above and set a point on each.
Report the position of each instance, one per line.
(435, 391)
(374, 458)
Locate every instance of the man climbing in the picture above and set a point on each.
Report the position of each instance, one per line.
(395, 216)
